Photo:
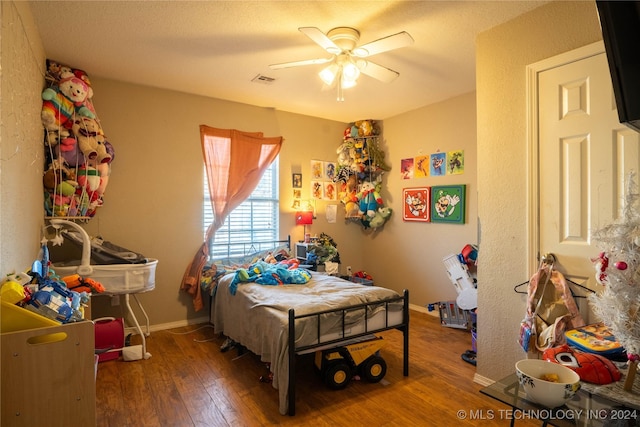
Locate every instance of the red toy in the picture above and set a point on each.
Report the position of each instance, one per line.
(592, 368)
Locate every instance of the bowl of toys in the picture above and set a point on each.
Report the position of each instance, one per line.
(546, 383)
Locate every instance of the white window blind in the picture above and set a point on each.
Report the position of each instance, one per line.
(255, 220)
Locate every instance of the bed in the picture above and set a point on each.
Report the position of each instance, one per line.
(329, 312)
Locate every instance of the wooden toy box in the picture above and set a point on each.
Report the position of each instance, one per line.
(48, 376)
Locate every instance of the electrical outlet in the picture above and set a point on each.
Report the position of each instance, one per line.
(115, 300)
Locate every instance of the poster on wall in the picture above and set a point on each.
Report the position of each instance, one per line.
(455, 162)
(438, 165)
(406, 168)
(317, 190)
(448, 203)
(329, 170)
(416, 204)
(329, 191)
(421, 167)
(317, 169)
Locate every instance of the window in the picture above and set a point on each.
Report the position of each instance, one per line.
(255, 220)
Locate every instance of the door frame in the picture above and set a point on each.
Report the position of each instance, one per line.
(533, 143)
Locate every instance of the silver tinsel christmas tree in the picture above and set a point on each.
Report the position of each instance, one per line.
(618, 270)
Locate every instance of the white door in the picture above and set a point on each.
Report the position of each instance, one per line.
(581, 155)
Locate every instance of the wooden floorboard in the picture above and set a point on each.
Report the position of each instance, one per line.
(189, 381)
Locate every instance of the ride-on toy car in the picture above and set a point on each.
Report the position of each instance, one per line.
(339, 364)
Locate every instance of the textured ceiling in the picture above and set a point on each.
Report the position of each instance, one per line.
(216, 48)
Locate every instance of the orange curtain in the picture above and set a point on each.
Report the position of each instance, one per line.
(234, 162)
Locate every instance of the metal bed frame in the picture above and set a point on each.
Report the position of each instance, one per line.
(251, 247)
(293, 350)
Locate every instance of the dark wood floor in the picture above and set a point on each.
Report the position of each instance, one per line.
(188, 381)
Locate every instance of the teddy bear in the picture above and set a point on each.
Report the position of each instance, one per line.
(91, 139)
(62, 102)
(368, 199)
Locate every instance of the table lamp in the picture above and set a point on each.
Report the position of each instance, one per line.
(304, 218)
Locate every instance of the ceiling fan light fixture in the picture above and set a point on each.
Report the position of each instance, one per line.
(347, 84)
(329, 73)
(360, 52)
(350, 72)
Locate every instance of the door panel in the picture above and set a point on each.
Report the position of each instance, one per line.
(584, 159)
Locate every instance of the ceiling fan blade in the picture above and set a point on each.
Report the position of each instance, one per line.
(384, 44)
(299, 63)
(321, 39)
(376, 71)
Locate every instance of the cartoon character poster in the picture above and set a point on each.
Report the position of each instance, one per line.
(455, 162)
(406, 168)
(329, 170)
(317, 169)
(448, 203)
(416, 204)
(421, 167)
(438, 165)
(329, 190)
(317, 190)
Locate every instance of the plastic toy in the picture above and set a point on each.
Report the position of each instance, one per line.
(338, 365)
(592, 368)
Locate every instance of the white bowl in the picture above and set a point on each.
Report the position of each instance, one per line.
(547, 393)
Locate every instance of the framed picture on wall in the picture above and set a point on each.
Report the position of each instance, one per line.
(297, 180)
(448, 203)
(416, 204)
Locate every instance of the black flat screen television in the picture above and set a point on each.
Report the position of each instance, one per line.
(620, 22)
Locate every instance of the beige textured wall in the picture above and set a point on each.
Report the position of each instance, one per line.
(409, 254)
(502, 55)
(153, 203)
(21, 154)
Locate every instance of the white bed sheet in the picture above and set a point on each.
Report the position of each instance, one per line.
(257, 317)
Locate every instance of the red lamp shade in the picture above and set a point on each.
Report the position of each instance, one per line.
(304, 218)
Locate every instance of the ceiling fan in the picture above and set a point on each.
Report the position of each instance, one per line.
(347, 59)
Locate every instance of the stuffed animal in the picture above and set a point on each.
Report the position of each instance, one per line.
(382, 215)
(349, 199)
(91, 139)
(368, 199)
(343, 152)
(62, 102)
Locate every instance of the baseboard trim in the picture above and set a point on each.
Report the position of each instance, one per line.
(484, 381)
(423, 309)
(170, 325)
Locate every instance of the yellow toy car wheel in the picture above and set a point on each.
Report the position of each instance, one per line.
(337, 375)
(373, 369)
